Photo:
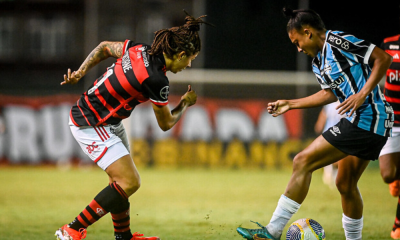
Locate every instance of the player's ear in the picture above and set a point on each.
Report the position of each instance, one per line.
(181, 55)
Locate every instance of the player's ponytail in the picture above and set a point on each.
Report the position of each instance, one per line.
(303, 17)
(177, 39)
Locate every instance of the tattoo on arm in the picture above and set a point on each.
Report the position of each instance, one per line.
(115, 49)
(100, 53)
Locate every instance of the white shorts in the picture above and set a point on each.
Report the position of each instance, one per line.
(103, 144)
(393, 143)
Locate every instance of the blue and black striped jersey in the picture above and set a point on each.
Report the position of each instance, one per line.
(342, 66)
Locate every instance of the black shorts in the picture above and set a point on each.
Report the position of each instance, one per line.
(355, 141)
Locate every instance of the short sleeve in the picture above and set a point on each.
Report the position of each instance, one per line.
(157, 90)
(127, 44)
(319, 78)
(353, 48)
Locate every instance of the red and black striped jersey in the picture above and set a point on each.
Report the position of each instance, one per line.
(391, 45)
(134, 78)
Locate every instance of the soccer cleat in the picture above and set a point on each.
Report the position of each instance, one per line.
(67, 233)
(395, 234)
(394, 188)
(256, 234)
(138, 236)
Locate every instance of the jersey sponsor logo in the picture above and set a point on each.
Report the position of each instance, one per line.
(388, 123)
(339, 42)
(336, 83)
(393, 75)
(142, 54)
(164, 92)
(126, 62)
(388, 109)
(396, 47)
(395, 54)
(105, 77)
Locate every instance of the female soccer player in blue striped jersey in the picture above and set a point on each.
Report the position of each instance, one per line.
(138, 75)
(342, 66)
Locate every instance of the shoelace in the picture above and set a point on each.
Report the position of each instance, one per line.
(254, 231)
(82, 232)
(137, 234)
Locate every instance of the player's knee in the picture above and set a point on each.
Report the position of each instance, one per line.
(344, 186)
(300, 162)
(132, 185)
(388, 177)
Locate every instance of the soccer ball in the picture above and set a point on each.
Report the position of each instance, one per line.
(305, 229)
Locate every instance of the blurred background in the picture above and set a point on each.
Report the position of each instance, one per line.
(246, 61)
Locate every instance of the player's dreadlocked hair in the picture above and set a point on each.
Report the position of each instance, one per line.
(302, 17)
(177, 39)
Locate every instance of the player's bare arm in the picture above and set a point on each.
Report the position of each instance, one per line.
(320, 98)
(381, 62)
(167, 119)
(103, 51)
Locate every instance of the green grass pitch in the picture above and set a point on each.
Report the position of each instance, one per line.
(178, 204)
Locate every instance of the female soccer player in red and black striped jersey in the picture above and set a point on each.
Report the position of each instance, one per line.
(389, 158)
(138, 75)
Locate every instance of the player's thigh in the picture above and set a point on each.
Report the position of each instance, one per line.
(350, 170)
(318, 154)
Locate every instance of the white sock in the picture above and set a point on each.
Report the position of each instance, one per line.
(352, 228)
(283, 212)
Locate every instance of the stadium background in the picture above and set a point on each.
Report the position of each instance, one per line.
(193, 185)
(246, 61)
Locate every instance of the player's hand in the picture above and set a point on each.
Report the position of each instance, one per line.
(72, 78)
(277, 108)
(190, 96)
(352, 103)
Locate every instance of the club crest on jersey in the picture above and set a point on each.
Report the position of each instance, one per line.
(164, 92)
(327, 69)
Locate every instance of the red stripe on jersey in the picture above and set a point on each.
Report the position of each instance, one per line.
(91, 107)
(393, 100)
(123, 49)
(103, 101)
(392, 87)
(138, 67)
(105, 131)
(392, 39)
(98, 133)
(101, 155)
(112, 91)
(395, 54)
(72, 118)
(80, 109)
(396, 112)
(119, 73)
